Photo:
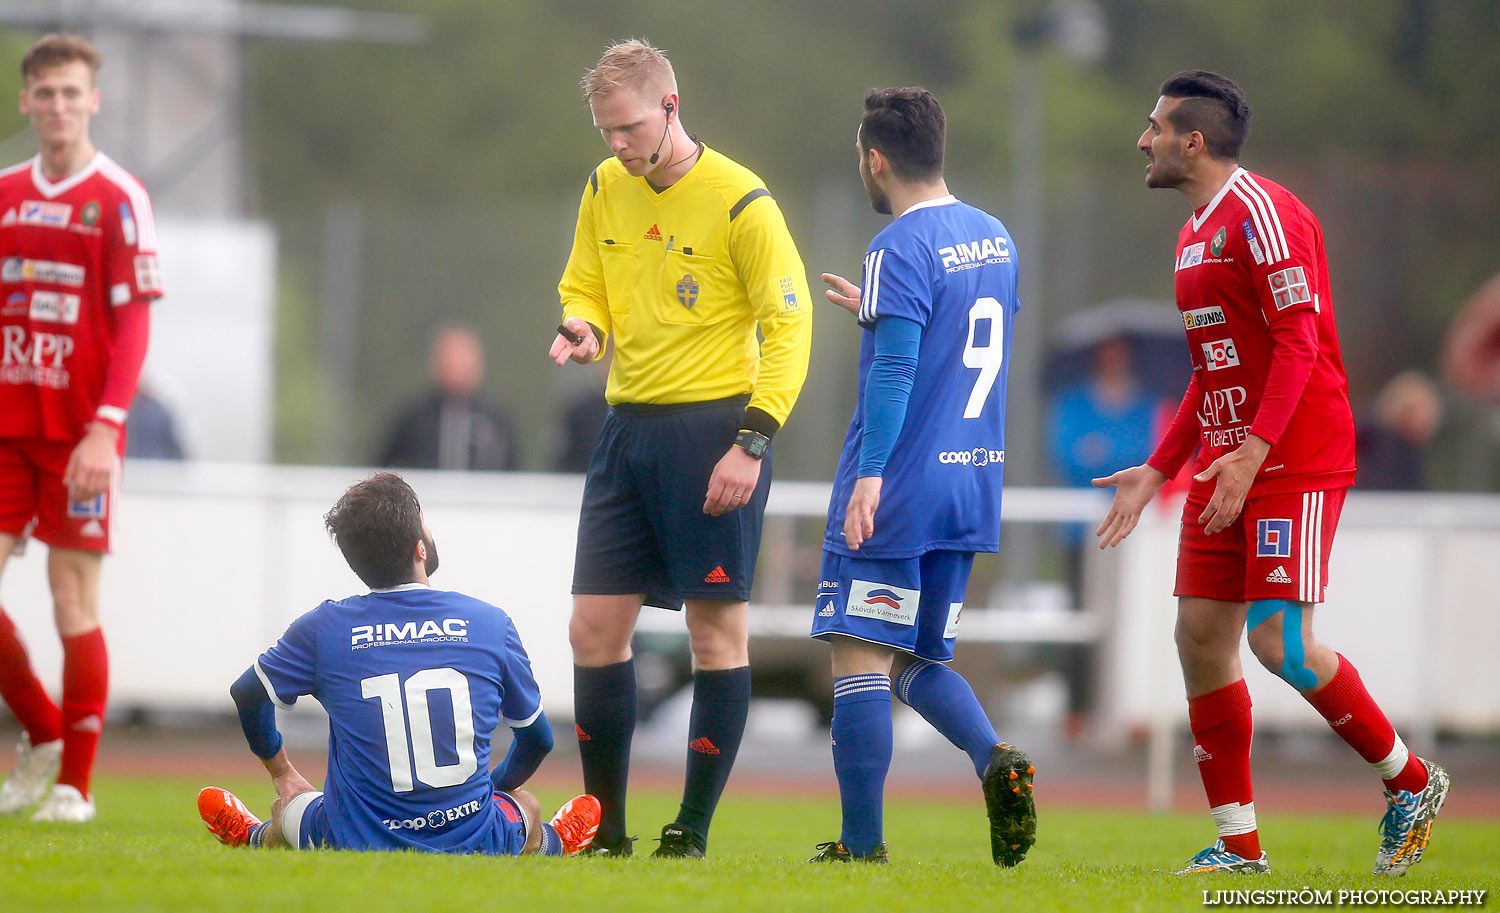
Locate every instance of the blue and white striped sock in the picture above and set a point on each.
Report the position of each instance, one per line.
(945, 700)
(862, 756)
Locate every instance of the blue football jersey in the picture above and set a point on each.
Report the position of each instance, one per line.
(415, 681)
(952, 269)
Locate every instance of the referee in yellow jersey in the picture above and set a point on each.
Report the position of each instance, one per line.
(681, 254)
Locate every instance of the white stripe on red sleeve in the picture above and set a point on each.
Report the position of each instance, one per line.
(1270, 205)
(1273, 253)
(140, 203)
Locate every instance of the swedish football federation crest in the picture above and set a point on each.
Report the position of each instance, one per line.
(687, 291)
(1216, 246)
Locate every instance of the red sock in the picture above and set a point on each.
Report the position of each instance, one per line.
(22, 692)
(1222, 727)
(1358, 720)
(85, 684)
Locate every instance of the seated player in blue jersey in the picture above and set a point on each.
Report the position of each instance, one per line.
(917, 490)
(414, 681)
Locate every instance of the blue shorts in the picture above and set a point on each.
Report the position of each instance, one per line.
(307, 816)
(909, 604)
(642, 528)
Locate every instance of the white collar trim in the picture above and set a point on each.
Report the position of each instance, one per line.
(402, 588)
(1213, 204)
(51, 190)
(926, 204)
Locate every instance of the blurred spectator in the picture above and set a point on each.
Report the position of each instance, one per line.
(583, 419)
(1471, 366)
(1389, 440)
(452, 426)
(1101, 420)
(1471, 355)
(1097, 424)
(150, 429)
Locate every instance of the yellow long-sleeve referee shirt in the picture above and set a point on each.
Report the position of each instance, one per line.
(682, 278)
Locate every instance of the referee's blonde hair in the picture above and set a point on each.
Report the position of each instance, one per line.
(632, 63)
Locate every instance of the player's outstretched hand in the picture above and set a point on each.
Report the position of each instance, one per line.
(732, 484)
(1134, 489)
(842, 292)
(584, 351)
(92, 463)
(1234, 472)
(859, 517)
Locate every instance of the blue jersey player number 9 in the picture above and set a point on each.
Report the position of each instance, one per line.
(988, 358)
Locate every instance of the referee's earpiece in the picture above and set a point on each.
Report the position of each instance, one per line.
(655, 156)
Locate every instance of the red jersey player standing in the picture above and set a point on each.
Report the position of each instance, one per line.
(1268, 411)
(78, 271)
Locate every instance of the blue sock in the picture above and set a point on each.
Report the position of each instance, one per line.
(552, 844)
(944, 699)
(862, 756)
(721, 701)
(257, 833)
(604, 702)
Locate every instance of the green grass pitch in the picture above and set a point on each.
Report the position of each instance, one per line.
(148, 851)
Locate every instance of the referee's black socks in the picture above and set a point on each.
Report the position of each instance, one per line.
(721, 702)
(604, 706)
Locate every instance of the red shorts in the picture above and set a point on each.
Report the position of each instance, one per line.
(34, 501)
(1278, 549)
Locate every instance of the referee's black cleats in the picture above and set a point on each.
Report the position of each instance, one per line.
(676, 842)
(1009, 803)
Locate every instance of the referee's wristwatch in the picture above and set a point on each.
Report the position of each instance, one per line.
(752, 442)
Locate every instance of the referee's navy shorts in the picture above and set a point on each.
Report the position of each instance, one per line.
(643, 529)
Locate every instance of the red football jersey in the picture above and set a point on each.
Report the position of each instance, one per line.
(1252, 256)
(70, 252)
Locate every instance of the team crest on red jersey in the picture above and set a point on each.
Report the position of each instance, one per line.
(1216, 246)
